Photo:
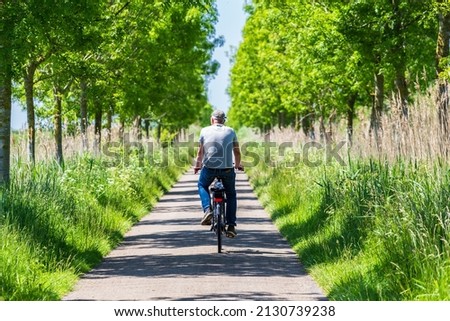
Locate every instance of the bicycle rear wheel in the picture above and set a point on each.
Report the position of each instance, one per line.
(219, 228)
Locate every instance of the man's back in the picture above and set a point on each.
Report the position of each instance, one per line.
(218, 142)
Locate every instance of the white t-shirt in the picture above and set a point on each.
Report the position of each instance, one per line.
(218, 143)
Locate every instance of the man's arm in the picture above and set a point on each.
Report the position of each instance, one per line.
(198, 161)
(237, 156)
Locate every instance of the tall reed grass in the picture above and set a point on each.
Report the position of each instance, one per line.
(371, 231)
(378, 226)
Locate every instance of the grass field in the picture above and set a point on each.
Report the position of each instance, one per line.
(370, 231)
(372, 223)
(57, 223)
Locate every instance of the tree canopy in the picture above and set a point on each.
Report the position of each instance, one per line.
(307, 61)
(129, 60)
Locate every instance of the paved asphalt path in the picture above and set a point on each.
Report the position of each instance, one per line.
(168, 255)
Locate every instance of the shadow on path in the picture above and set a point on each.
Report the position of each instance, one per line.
(170, 256)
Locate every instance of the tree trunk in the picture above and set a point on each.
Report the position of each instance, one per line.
(331, 120)
(308, 126)
(5, 96)
(442, 53)
(351, 116)
(122, 131)
(29, 94)
(29, 73)
(137, 128)
(281, 120)
(58, 125)
(402, 91)
(108, 126)
(377, 108)
(322, 130)
(443, 103)
(158, 132)
(83, 114)
(98, 128)
(297, 122)
(147, 128)
(399, 55)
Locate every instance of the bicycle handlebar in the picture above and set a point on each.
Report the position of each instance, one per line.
(197, 169)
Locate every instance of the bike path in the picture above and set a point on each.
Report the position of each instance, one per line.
(168, 255)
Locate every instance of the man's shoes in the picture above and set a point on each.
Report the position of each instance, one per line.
(231, 231)
(206, 220)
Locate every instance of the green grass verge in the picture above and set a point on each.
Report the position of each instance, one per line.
(366, 231)
(56, 224)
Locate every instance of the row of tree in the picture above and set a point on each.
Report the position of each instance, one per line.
(74, 63)
(307, 61)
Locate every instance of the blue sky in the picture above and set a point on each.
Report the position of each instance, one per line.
(231, 21)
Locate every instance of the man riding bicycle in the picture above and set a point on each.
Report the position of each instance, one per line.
(218, 145)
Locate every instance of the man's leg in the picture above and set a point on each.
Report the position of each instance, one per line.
(229, 182)
(205, 179)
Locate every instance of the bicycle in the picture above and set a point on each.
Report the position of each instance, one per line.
(219, 218)
(217, 205)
